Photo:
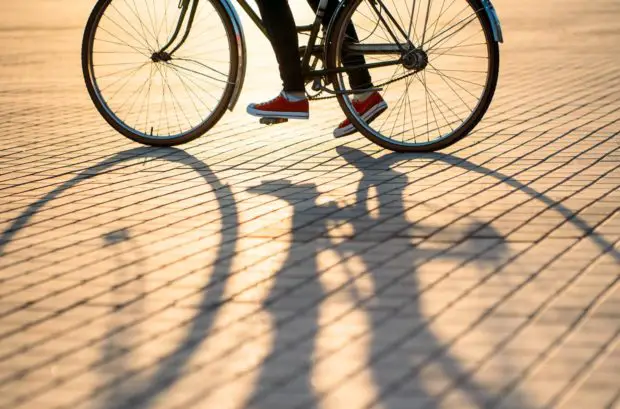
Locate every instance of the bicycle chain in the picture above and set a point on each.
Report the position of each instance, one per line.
(318, 96)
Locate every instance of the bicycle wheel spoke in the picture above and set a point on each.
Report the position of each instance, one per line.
(436, 22)
(113, 73)
(132, 97)
(142, 42)
(442, 12)
(188, 93)
(452, 47)
(455, 79)
(202, 65)
(163, 97)
(173, 99)
(152, 21)
(390, 18)
(400, 104)
(382, 19)
(397, 12)
(141, 50)
(411, 112)
(476, 57)
(457, 45)
(454, 29)
(446, 105)
(136, 100)
(184, 76)
(152, 96)
(428, 14)
(126, 81)
(118, 63)
(198, 76)
(391, 111)
(454, 17)
(164, 19)
(443, 77)
(403, 104)
(195, 81)
(433, 97)
(376, 23)
(145, 28)
(411, 14)
(197, 72)
(130, 25)
(148, 101)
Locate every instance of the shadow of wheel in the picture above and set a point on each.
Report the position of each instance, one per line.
(464, 378)
(170, 367)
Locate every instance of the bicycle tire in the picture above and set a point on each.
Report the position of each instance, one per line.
(336, 45)
(128, 131)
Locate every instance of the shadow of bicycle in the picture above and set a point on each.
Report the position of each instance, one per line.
(397, 352)
(117, 376)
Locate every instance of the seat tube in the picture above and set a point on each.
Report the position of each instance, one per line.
(318, 19)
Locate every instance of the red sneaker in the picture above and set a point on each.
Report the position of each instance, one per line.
(280, 107)
(369, 109)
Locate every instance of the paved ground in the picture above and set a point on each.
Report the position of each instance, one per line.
(279, 268)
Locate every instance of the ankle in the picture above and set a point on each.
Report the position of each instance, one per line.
(294, 96)
(363, 96)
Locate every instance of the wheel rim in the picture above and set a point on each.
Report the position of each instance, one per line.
(146, 95)
(427, 102)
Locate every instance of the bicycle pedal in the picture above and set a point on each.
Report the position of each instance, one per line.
(273, 121)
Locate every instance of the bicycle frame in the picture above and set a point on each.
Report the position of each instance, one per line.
(188, 12)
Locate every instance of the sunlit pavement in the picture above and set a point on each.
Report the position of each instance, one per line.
(280, 268)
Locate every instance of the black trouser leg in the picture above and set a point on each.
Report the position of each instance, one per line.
(360, 78)
(280, 25)
(282, 31)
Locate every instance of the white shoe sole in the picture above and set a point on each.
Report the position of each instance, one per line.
(368, 117)
(276, 114)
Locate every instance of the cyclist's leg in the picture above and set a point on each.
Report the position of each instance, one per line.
(369, 105)
(358, 79)
(280, 25)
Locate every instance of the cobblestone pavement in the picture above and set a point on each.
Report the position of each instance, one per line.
(280, 268)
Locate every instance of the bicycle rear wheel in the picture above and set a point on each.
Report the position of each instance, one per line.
(444, 72)
(159, 101)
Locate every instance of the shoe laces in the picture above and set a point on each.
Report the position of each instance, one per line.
(272, 100)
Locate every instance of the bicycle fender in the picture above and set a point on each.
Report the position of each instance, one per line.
(489, 10)
(496, 26)
(241, 49)
(332, 23)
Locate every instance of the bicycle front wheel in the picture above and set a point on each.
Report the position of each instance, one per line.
(151, 97)
(435, 63)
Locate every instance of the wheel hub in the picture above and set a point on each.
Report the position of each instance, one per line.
(415, 59)
(160, 56)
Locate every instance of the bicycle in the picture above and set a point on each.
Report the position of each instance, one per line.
(163, 73)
